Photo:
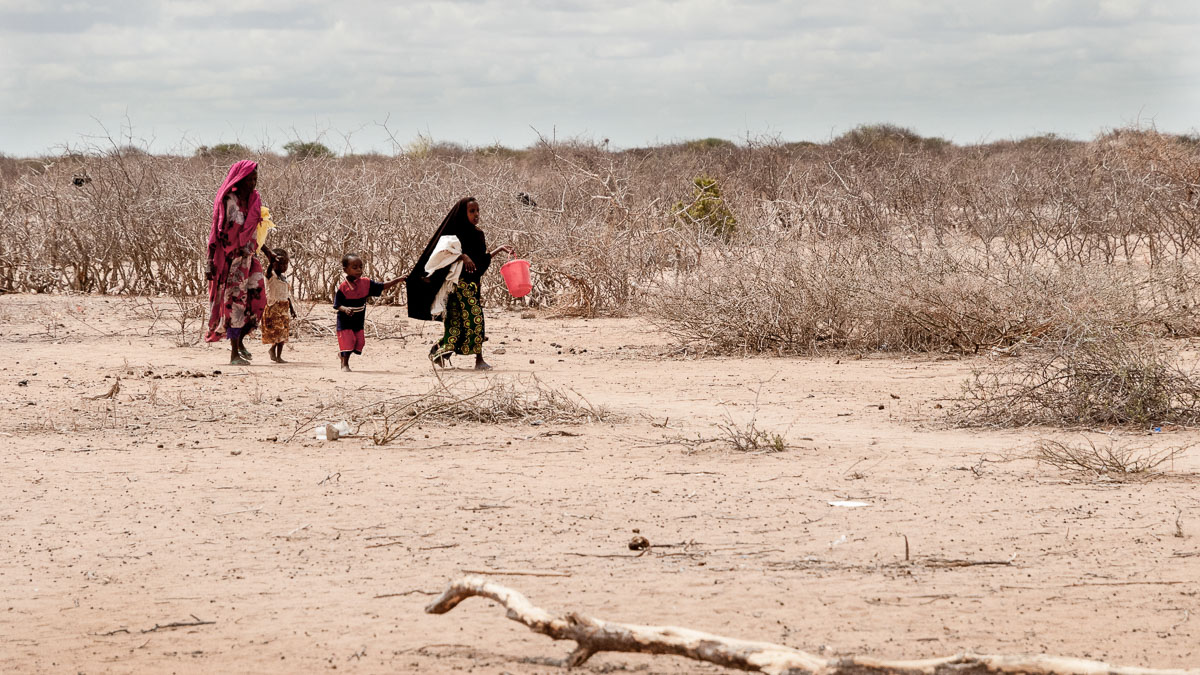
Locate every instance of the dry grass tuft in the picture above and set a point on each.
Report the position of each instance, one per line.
(749, 437)
(1110, 459)
(497, 400)
(1094, 378)
(517, 400)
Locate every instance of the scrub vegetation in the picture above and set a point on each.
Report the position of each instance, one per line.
(878, 240)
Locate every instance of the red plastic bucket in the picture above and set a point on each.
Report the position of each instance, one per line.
(516, 277)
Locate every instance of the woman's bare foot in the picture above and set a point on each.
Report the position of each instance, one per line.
(277, 359)
(480, 364)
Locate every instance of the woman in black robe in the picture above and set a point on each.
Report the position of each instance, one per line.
(463, 315)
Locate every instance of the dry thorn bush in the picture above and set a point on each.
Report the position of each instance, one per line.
(749, 437)
(497, 400)
(1097, 377)
(516, 400)
(877, 240)
(1111, 459)
(789, 296)
(183, 314)
(744, 436)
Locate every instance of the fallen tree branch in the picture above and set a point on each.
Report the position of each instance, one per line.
(950, 562)
(595, 635)
(520, 573)
(404, 593)
(180, 624)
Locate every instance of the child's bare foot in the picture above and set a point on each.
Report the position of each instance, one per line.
(346, 367)
(277, 359)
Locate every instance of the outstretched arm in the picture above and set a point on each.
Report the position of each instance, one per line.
(507, 248)
(393, 282)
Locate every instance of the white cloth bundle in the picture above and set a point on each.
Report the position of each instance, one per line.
(446, 253)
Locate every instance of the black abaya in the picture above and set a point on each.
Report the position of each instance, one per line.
(422, 288)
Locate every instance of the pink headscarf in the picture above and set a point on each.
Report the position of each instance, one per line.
(236, 236)
(240, 238)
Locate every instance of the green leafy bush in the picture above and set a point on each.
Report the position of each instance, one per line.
(708, 209)
(889, 138)
(707, 144)
(223, 151)
(306, 150)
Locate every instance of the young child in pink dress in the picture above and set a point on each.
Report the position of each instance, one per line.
(350, 301)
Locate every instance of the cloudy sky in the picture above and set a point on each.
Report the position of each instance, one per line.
(263, 72)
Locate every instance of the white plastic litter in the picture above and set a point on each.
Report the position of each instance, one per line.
(331, 432)
(849, 503)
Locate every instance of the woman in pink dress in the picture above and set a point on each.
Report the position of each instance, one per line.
(236, 287)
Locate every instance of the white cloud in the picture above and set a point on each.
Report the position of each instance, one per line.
(633, 71)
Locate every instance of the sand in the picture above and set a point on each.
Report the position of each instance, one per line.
(182, 500)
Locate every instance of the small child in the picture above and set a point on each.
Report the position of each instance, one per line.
(351, 305)
(277, 318)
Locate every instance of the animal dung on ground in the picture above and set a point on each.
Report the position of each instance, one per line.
(639, 543)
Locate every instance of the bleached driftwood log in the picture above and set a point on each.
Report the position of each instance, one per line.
(595, 635)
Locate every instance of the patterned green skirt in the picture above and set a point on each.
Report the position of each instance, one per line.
(464, 321)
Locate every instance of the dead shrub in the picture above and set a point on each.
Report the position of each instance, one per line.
(183, 315)
(496, 400)
(1093, 378)
(896, 218)
(787, 295)
(741, 436)
(759, 300)
(1111, 458)
(516, 400)
(749, 437)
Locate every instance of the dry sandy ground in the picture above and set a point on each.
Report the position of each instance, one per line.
(182, 500)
